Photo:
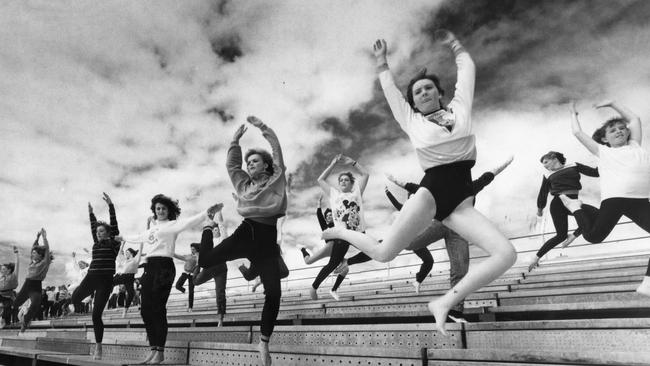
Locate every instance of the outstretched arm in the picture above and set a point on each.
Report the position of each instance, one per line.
(363, 173)
(38, 236)
(319, 214)
(466, 74)
(634, 122)
(322, 179)
(93, 222)
(402, 111)
(17, 267)
(111, 211)
(393, 200)
(587, 141)
(46, 244)
(234, 159)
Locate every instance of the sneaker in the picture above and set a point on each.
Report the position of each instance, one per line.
(456, 316)
(335, 295)
(313, 293)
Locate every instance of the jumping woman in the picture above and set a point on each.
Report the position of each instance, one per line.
(261, 200)
(128, 261)
(445, 147)
(32, 287)
(561, 179)
(624, 168)
(8, 283)
(159, 270)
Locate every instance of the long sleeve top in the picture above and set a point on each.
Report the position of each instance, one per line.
(562, 180)
(104, 252)
(38, 270)
(321, 220)
(265, 199)
(160, 239)
(624, 171)
(8, 283)
(435, 144)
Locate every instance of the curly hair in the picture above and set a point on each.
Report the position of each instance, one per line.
(420, 76)
(553, 155)
(10, 266)
(599, 134)
(172, 206)
(266, 158)
(349, 174)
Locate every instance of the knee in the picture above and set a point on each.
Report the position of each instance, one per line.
(384, 257)
(508, 254)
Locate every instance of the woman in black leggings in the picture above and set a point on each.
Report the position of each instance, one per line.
(99, 280)
(561, 179)
(347, 211)
(261, 200)
(126, 277)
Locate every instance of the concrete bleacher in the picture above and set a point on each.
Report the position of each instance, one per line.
(580, 308)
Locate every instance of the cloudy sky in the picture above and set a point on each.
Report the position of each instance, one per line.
(139, 98)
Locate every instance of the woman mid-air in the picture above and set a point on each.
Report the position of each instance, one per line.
(445, 147)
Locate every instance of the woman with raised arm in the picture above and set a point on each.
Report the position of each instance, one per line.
(128, 261)
(32, 287)
(8, 285)
(325, 220)
(624, 168)
(346, 201)
(561, 179)
(445, 146)
(99, 280)
(261, 200)
(159, 270)
(189, 266)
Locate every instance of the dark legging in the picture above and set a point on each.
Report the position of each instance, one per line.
(560, 216)
(596, 224)
(220, 274)
(179, 286)
(257, 242)
(7, 303)
(101, 285)
(126, 279)
(31, 290)
(156, 284)
(423, 253)
(339, 249)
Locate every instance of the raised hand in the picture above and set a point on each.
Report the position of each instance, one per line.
(380, 48)
(107, 198)
(90, 208)
(214, 209)
(255, 121)
(346, 160)
(320, 200)
(44, 233)
(239, 133)
(74, 254)
(604, 104)
(572, 107)
(444, 36)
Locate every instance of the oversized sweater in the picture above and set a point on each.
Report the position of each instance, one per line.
(435, 144)
(563, 180)
(265, 198)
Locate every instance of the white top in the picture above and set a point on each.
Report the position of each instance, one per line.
(434, 144)
(624, 171)
(347, 209)
(160, 239)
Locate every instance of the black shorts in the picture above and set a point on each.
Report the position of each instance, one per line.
(450, 184)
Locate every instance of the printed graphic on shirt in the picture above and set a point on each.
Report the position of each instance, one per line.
(348, 212)
(152, 236)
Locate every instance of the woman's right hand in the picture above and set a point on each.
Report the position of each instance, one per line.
(380, 48)
(444, 36)
(90, 208)
(239, 133)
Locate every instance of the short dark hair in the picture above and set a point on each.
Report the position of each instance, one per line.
(196, 246)
(10, 266)
(106, 226)
(172, 206)
(266, 158)
(420, 76)
(132, 251)
(553, 155)
(599, 134)
(349, 174)
(327, 210)
(41, 251)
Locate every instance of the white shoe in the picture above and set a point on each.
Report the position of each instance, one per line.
(644, 288)
(416, 285)
(313, 293)
(335, 295)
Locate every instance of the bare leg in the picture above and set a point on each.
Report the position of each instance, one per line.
(473, 226)
(415, 216)
(320, 253)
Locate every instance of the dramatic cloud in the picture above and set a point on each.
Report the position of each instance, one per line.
(138, 98)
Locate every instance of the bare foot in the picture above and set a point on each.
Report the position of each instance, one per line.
(98, 352)
(265, 355)
(158, 358)
(568, 241)
(331, 233)
(313, 294)
(149, 358)
(533, 264)
(571, 204)
(439, 312)
(644, 288)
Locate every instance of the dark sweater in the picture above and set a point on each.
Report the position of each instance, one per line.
(562, 180)
(104, 251)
